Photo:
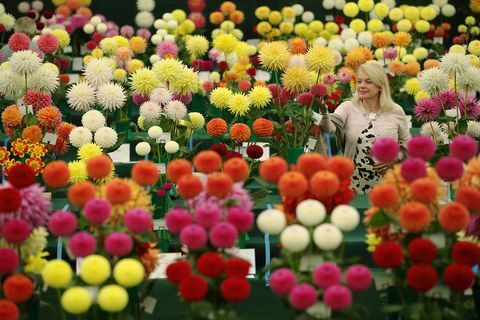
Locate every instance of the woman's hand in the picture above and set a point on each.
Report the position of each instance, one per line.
(382, 167)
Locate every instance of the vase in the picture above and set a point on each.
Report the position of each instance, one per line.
(294, 153)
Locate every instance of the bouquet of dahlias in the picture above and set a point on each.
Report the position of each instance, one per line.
(413, 231)
(311, 220)
(216, 215)
(24, 215)
(115, 251)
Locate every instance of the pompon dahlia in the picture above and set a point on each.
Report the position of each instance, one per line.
(106, 137)
(34, 208)
(64, 129)
(427, 110)
(32, 134)
(37, 99)
(11, 116)
(320, 59)
(49, 117)
(81, 96)
(296, 79)
(434, 81)
(80, 136)
(357, 57)
(93, 120)
(402, 39)
(111, 96)
(238, 194)
(226, 43)
(216, 127)
(274, 55)
(474, 6)
(240, 132)
(48, 43)
(18, 41)
(165, 48)
(97, 72)
(187, 82)
(263, 128)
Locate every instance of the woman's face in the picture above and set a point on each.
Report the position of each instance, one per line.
(366, 89)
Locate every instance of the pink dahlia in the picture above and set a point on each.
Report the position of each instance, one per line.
(97, 210)
(167, 48)
(319, 90)
(359, 277)
(242, 219)
(274, 89)
(118, 244)
(198, 19)
(144, 33)
(385, 149)
(469, 107)
(337, 297)
(329, 79)
(127, 31)
(390, 53)
(137, 220)
(139, 99)
(184, 98)
(427, 110)
(82, 244)
(214, 54)
(48, 43)
(223, 235)
(463, 147)
(305, 99)
(282, 281)
(34, 207)
(208, 214)
(449, 168)
(413, 168)
(62, 223)
(19, 41)
(303, 296)
(446, 99)
(194, 237)
(326, 275)
(15, 231)
(343, 76)
(176, 219)
(422, 147)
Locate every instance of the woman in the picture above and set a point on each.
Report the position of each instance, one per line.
(370, 114)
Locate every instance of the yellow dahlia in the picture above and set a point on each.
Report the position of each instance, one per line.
(226, 43)
(239, 104)
(296, 79)
(138, 44)
(197, 45)
(78, 171)
(186, 81)
(220, 97)
(88, 151)
(274, 55)
(320, 59)
(167, 70)
(143, 81)
(260, 96)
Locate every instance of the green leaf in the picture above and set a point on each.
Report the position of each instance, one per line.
(380, 219)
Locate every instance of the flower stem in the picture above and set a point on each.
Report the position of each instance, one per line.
(62, 312)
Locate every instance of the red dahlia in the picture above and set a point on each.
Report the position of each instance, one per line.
(8, 310)
(10, 200)
(466, 253)
(237, 268)
(193, 289)
(458, 277)
(235, 289)
(210, 264)
(18, 288)
(422, 277)
(21, 176)
(388, 254)
(422, 250)
(178, 271)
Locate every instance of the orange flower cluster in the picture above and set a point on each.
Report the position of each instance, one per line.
(358, 56)
(228, 10)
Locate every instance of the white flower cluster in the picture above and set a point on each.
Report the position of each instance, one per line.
(96, 24)
(93, 122)
(310, 213)
(333, 4)
(145, 18)
(434, 129)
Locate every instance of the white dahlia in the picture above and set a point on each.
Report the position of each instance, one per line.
(98, 72)
(11, 85)
(150, 110)
(473, 129)
(454, 63)
(111, 96)
(161, 96)
(106, 137)
(469, 80)
(327, 237)
(145, 5)
(144, 19)
(93, 120)
(24, 62)
(295, 238)
(81, 96)
(80, 136)
(433, 80)
(44, 80)
(175, 110)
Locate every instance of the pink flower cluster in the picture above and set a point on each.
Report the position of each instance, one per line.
(327, 277)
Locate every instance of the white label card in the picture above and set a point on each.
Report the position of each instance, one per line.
(122, 154)
(437, 238)
(162, 168)
(74, 78)
(164, 138)
(159, 224)
(262, 75)
(249, 255)
(25, 109)
(204, 76)
(383, 281)
(148, 304)
(309, 262)
(50, 138)
(164, 259)
(329, 17)
(311, 143)
(320, 311)
(84, 50)
(253, 42)
(266, 150)
(438, 40)
(316, 117)
(68, 49)
(77, 64)
(439, 292)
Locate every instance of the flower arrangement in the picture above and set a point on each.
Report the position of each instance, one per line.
(413, 231)
(24, 215)
(314, 207)
(227, 18)
(116, 249)
(216, 213)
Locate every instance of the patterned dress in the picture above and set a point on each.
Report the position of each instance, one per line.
(365, 177)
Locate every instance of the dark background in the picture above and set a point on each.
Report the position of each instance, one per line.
(124, 11)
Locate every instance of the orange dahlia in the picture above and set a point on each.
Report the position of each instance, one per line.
(228, 7)
(36, 164)
(402, 39)
(240, 132)
(32, 134)
(11, 116)
(298, 45)
(263, 128)
(64, 129)
(380, 40)
(20, 147)
(431, 63)
(216, 127)
(357, 57)
(49, 117)
(4, 155)
(216, 17)
(397, 67)
(60, 147)
(237, 17)
(124, 54)
(412, 68)
(37, 150)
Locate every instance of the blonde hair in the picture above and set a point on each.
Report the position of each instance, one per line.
(26, 25)
(377, 75)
